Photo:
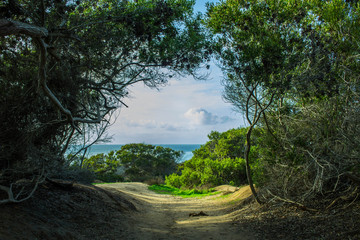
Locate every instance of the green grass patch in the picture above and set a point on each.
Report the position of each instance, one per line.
(163, 189)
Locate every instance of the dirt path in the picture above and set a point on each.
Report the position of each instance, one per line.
(167, 217)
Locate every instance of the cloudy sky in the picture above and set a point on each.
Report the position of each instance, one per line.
(184, 112)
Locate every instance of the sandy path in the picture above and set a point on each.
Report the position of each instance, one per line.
(167, 217)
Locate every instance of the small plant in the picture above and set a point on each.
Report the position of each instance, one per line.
(164, 189)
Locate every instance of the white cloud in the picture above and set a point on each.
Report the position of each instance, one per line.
(200, 116)
(158, 116)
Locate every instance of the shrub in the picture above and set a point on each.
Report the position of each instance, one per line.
(313, 153)
(142, 162)
(198, 172)
(109, 177)
(80, 175)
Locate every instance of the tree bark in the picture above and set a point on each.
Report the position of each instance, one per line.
(247, 164)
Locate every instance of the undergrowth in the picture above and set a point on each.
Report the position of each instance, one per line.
(164, 189)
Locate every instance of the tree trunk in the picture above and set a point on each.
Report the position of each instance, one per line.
(247, 164)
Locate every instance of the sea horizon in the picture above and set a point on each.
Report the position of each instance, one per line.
(108, 147)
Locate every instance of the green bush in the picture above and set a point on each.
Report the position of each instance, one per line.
(133, 162)
(142, 162)
(198, 172)
(219, 161)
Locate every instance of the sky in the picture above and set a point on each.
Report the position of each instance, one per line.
(183, 112)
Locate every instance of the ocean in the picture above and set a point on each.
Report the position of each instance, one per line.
(106, 148)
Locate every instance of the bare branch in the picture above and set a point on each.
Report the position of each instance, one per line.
(10, 193)
(50, 94)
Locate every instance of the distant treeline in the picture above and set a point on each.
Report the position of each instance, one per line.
(133, 162)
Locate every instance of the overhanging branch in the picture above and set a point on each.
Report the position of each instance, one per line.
(11, 27)
(42, 83)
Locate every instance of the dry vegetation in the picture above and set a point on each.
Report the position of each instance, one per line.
(288, 221)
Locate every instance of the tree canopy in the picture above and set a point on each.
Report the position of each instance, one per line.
(292, 68)
(69, 63)
(66, 65)
(132, 162)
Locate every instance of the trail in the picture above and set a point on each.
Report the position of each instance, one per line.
(167, 217)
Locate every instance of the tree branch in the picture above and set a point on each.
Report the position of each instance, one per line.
(9, 191)
(11, 27)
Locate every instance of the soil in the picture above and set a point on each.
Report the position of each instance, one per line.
(131, 211)
(171, 217)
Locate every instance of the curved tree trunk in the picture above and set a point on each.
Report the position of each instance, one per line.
(247, 164)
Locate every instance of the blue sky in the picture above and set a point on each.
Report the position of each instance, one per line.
(185, 111)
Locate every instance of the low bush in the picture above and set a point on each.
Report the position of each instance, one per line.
(219, 161)
(198, 172)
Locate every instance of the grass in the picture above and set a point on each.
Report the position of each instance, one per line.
(163, 189)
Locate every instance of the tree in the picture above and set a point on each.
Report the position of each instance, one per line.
(317, 130)
(252, 55)
(144, 161)
(229, 144)
(280, 60)
(66, 66)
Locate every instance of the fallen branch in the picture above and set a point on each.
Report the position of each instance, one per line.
(17, 199)
(299, 205)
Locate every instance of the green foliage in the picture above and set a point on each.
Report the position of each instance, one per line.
(109, 177)
(95, 50)
(102, 163)
(144, 161)
(229, 144)
(164, 189)
(103, 166)
(219, 161)
(133, 162)
(198, 172)
(299, 62)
